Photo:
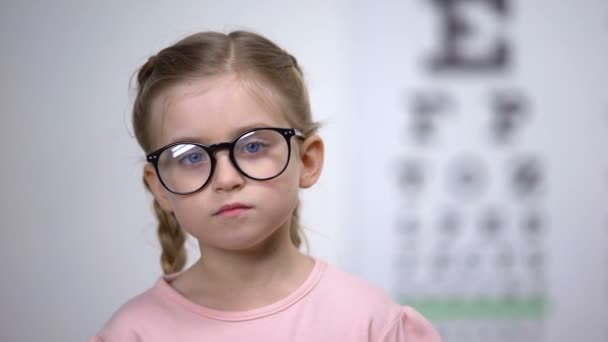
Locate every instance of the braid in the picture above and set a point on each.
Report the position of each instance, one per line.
(295, 231)
(172, 240)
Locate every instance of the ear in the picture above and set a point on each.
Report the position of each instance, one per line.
(156, 187)
(312, 153)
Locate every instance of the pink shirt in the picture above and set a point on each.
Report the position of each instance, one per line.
(330, 305)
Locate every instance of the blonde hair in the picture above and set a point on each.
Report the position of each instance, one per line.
(207, 54)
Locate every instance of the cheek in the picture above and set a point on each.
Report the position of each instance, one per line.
(290, 179)
(277, 203)
(190, 211)
(290, 188)
(276, 198)
(281, 192)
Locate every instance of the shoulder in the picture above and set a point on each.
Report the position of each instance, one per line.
(133, 317)
(410, 325)
(357, 291)
(371, 307)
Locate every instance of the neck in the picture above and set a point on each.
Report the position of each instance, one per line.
(274, 259)
(244, 279)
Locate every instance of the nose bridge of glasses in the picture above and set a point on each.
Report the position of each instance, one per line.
(213, 149)
(221, 146)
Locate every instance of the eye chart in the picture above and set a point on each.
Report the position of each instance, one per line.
(482, 182)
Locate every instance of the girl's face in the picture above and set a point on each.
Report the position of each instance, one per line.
(216, 110)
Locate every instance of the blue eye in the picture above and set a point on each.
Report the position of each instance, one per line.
(193, 158)
(253, 147)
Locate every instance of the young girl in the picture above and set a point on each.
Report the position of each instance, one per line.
(229, 139)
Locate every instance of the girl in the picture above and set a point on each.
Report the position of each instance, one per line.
(226, 125)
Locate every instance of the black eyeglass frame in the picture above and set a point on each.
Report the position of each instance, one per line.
(286, 133)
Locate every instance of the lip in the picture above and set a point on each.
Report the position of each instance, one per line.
(232, 209)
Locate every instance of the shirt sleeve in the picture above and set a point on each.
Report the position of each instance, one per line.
(118, 329)
(114, 336)
(410, 326)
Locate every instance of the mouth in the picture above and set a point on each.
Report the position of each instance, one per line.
(232, 209)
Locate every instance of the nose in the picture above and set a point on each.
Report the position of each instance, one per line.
(226, 176)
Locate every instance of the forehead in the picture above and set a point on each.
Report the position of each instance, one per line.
(211, 110)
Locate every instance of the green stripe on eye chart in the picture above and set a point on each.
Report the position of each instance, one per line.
(480, 309)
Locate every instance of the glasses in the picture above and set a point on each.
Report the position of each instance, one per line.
(261, 154)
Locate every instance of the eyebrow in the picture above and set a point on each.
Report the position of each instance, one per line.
(234, 133)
